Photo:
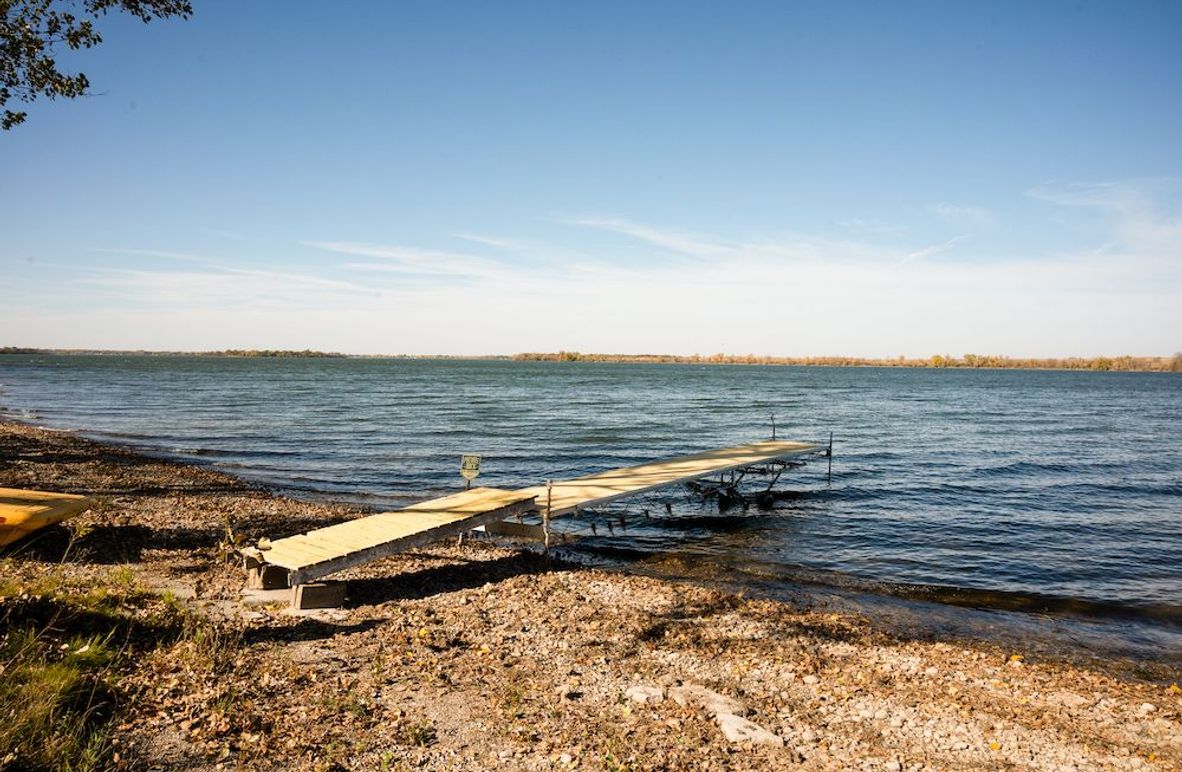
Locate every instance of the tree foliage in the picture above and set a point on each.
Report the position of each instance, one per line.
(31, 32)
(1123, 363)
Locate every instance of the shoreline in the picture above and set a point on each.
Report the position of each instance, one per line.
(1116, 637)
(483, 656)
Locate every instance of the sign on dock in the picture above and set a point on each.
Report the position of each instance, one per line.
(470, 466)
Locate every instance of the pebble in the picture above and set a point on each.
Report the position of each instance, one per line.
(645, 694)
(709, 700)
(810, 679)
(1147, 708)
(738, 729)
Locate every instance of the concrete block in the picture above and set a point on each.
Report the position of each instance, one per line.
(258, 597)
(318, 595)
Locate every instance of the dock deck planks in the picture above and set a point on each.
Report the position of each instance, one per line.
(325, 551)
(601, 487)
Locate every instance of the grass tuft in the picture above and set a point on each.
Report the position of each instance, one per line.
(64, 649)
(55, 701)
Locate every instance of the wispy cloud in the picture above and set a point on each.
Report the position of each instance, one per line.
(224, 234)
(1145, 216)
(931, 250)
(530, 252)
(1107, 195)
(413, 260)
(869, 226)
(789, 248)
(223, 287)
(217, 282)
(961, 214)
(160, 253)
(682, 242)
(497, 242)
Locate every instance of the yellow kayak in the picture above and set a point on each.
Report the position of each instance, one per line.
(22, 512)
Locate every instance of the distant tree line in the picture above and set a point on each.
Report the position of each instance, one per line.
(273, 353)
(968, 361)
(233, 352)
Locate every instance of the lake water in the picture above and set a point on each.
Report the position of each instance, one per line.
(1054, 494)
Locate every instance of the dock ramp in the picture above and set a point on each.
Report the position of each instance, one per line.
(309, 556)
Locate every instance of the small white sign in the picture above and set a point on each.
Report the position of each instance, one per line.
(470, 466)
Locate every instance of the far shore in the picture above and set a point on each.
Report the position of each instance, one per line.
(1116, 363)
(484, 656)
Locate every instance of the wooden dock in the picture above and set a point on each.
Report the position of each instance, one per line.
(297, 560)
(567, 496)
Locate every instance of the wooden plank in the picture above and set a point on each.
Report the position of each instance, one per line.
(312, 572)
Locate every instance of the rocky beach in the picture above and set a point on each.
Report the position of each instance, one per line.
(486, 656)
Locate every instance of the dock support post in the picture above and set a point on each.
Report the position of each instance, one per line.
(263, 576)
(546, 518)
(830, 454)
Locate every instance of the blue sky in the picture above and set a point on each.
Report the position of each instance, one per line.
(826, 178)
